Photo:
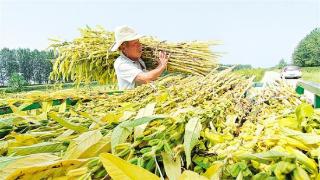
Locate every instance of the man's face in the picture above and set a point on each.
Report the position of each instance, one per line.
(132, 49)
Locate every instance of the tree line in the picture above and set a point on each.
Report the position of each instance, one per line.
(306, 53)
(33, 66)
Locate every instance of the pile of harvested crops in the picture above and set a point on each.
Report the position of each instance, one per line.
(179, 127)
(87, 58)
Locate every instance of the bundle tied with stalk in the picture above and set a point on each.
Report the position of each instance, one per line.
(87, 58)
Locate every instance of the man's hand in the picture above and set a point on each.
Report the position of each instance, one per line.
(163, 59)
(146, 77)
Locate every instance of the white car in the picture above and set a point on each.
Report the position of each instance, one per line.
(291, 72)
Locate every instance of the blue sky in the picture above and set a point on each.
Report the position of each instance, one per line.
(259, 33)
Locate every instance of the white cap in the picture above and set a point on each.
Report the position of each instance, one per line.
(122, 34)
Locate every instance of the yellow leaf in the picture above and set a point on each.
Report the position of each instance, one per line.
(65, 135)
(290, 122)
(24, 139)
(126, 115)
(61, 178)
(120, 169)
(81, 144)
(310, 164)
(172, 168)
(190, 175)
(46, 106)
(147, 111)
(13, 166)
(112, 117)
(213, 172)
(45, 170)
(17, 111)
(77, 172)
(63, 107)
(104, 145)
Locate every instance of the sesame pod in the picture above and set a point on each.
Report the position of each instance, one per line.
(100, 173)
(150, 165)
(123, 152)
(148, 155)
(93, 162)
(134, 161)
(145, 150)
(159, 146)
(153, 142)
(140, 162)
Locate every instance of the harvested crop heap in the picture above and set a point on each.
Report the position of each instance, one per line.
(179, 127)
(87, 59)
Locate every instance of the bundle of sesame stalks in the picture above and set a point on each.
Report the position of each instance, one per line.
(87, 58)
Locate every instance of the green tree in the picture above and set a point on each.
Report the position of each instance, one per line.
(25, 63)
(282, 63)
(307, 53)
(16, 82)
(47, 66)
(9, 61)
(2, 67)
(243, 66)
(41, 65)
(35, 66)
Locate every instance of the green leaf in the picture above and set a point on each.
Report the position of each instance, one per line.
(142, 120)
(237, 168)
(171, 167)
(64, 123)
(82, 143)
(120, 169)
(37, 148)
(264, 157)
(191, 135)
(123, 130)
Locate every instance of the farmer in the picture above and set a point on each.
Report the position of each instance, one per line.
(129, 67)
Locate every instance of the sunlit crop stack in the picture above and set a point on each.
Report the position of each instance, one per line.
(87, 58)
(179, 127)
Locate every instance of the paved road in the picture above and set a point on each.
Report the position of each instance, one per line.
(271, 76)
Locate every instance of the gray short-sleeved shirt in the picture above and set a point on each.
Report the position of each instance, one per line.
(127, 70)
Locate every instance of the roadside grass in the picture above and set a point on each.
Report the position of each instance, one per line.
(257, 72)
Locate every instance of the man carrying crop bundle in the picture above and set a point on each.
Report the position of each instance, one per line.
(129, 67)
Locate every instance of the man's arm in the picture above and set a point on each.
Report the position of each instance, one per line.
(146, 77)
